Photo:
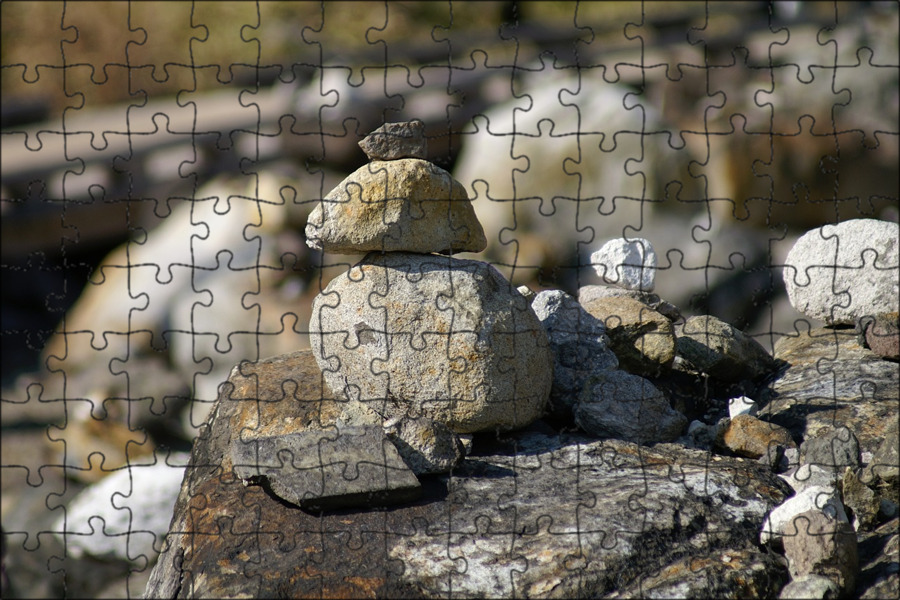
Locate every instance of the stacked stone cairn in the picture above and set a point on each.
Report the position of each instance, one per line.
(421, 348)
(796, 451)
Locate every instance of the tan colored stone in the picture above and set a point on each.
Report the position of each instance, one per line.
(816, 544)
(749, 437)
(408, 205)
(641, 338)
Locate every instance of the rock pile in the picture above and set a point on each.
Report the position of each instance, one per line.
(406, 332)
(419, 360)
(420, 348)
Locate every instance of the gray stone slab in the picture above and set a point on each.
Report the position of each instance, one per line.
(329, 469)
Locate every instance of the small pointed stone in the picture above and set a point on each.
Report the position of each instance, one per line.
(392, 141)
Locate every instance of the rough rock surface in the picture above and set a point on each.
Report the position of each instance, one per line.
(804, 476)
(407, 205)
(579, 345)
(393, 141)
(884, 468)
(723, 351)
(879, 562)
(813, 498)
(835, 450)
(749, 437)
(630, 264)
(620, 405)
(435, 336)
(696, 531)
(861, 500)
(827, 378)
(816, 544)
(840, 273)
(642, 339)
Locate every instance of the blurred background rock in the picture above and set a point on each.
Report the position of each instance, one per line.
(159, 161)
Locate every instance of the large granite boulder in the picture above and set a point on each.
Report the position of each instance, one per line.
(407, 205)
(840, 273)
(533, 514)
(411, 334)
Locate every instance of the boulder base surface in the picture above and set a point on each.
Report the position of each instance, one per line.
(587, 518)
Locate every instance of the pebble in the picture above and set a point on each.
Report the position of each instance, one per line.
(629, 264)
(840, 273)
(579, 345)
(393, 141)
(586, 293)
(742, 405)
(431, 335)
(406, 205)
(882, 334)
(749, 437)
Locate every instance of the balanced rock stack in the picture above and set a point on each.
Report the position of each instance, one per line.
(409, 333)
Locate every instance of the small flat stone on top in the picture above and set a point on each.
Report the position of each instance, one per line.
(396, 140)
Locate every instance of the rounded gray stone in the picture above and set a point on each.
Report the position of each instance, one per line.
(450, 339)
(406, 205)
(840, 273)
(579, 343)
(616, 404)
(721, 350)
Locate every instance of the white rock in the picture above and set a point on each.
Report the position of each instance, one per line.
(742, 405)
(839, 273)
(125, 515)
(629, 264)
(815, 497)
(450, 339)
